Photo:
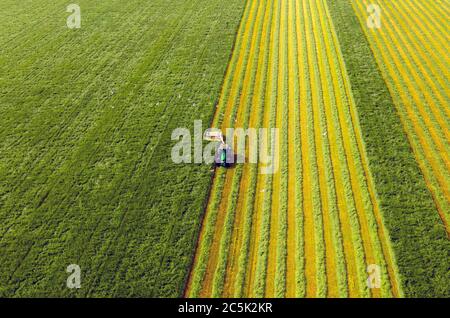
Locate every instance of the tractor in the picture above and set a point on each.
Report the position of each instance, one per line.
(224, 155)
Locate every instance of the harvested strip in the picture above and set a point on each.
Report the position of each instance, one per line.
(238, 256)
(430, 72)
(300, 246)
(195, 282)
(312, 227)
(261, 262)
(217, 259)
(348, 232)
(406, 205)
(384, 239)
(307, 148)
(347, 139)
(324, 171)
(430, 147)
(280, 274)
(429, 41)
(261, 189)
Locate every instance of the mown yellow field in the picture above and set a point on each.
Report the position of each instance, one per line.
(312, 228)
(411, 48)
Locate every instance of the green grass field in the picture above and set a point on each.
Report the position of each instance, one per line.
(85, 122)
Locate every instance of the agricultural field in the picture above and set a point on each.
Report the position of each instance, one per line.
(313, 228)
(416, 67)
(358, 205)
(417, 232)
